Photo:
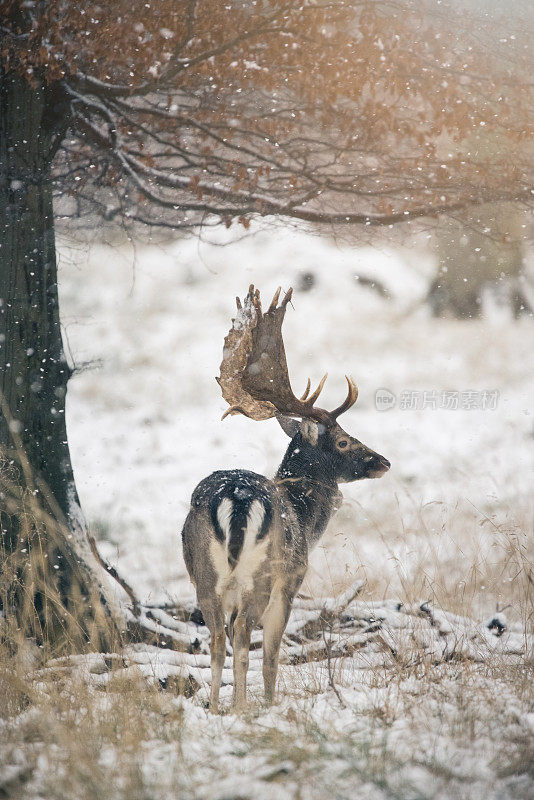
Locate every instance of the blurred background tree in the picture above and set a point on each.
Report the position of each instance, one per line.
(481, 249)
(180, 113)
(481, 252)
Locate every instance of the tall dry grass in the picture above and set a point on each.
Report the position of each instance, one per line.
(63, 739)
(466, 560)
(48, 594)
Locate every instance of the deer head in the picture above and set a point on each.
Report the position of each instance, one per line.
(255, 382)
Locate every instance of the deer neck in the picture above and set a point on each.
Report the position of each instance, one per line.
(310, 487)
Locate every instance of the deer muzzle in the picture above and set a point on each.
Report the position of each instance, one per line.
(378, 466)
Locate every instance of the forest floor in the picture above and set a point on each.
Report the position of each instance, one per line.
(450, 527)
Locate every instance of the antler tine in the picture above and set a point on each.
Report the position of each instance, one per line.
(285, 301)
(274, 301)
(313, 397)
(287, 297)
(236, 410)
(307, 391)
(352, 396)
(253, 297)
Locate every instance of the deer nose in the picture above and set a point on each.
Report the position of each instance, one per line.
(384, 463)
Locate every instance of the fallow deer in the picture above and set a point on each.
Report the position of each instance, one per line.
(246, 537)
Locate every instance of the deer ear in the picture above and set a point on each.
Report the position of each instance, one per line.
(289, 425)
(309, 431)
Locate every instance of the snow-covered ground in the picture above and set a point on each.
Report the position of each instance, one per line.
(451, 523)
(147, 326)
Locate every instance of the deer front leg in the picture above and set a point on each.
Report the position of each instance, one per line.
(275, 620)
(241, 645)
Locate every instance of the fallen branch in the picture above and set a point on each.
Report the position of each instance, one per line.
(171, 642)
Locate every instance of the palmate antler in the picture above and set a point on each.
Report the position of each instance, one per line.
(254, 378)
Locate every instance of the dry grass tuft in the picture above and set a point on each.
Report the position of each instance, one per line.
(406, 726)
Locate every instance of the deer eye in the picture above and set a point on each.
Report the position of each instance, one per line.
(342, 444)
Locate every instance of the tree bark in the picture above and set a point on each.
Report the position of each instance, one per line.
(50, 579)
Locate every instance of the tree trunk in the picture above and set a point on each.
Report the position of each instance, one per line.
(50, 579)
(478, 254)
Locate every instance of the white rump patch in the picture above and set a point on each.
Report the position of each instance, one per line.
(231, 583)
(224, 514)
(256, 515)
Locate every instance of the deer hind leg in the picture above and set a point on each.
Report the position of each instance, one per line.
(242, 630)
(214, 619)
(218, 654)
(274, 621)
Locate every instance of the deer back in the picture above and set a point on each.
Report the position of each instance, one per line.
(241, 532)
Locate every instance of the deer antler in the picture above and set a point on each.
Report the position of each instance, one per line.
(349, 401)
(254, 377)
(236, 353)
